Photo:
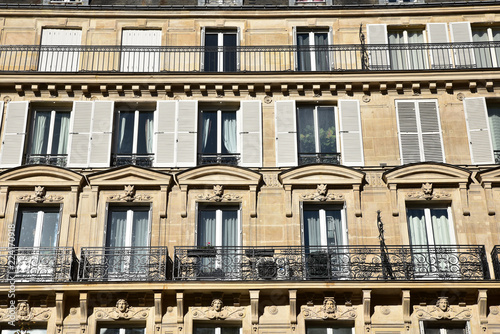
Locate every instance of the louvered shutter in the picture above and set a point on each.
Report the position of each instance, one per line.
(438, 33)
(79, 134)
(377, 34)
(409, 142)
(461, 32)
(140, 61)
(14, 134)
(432, 141)
(60, 61)
(478, 130)
(251, 133)
(351, 140)
(187, 139)
(102, 134)
(286, 133)
(165, 123)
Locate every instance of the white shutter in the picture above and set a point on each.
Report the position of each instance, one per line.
(351, 140)
(79, 134)
(164, 139)
(60, 61)
(438, 33)
(141, 61)
(377, 34)
(461, 32)
(102, 134)
(409, 143)
(432, 141)
(286, 133)
(187, 139)
(478, 130)
(14, 134)
(251, 133)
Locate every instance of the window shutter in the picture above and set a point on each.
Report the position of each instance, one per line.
(377, 34)
(14, 134)
(432, 141)
(102, 134)
(286, 133)
(60, 61)
(409, 143)
(461, 32)
(187, 124)
(438, 33)
(79, 134)
(251, 133)
(478, 130)
(164, 140)
(141, 61)
(351, 140)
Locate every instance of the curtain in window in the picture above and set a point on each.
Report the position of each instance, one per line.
(229, 143)
(61, 133)
(441, 227)
(321, 43)
(140, 229)
(307, 140)
(398, 57)
(209, 133)
(50, 227)
(230, 228)
(312, 228)
(117, 229)
(207, 228)
(125, 133)
(482, 54)
(417, 58)
(334, 230)
(494, 120)
(27, 229)
(303, 52)
(326, 129)
(416, 226)
(40, 132)
(145, 133)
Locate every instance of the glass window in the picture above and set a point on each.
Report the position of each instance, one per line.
(128, 227)
(324, 226)
(445, 327)
(485, 55)
(325, 329)
(38, 227)
(134, 138)
(402, 59)
(494, 122)
(218, 141)
(312, 51)
(430, 226)
(220, 51)
(30, 331)
(205, 329)
(122, 331)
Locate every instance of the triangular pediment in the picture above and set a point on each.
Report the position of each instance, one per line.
(129, 175)
(489, 176)
(322, 174)
(430, 172)
(40, 175)
(217, 174)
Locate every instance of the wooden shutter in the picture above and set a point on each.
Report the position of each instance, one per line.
(432, 142)
(438, 33)
(461, 32)
(60, 61)
(14, 134)
(141, 61)
(165, 120)
(377, 34)
(478, 130)
(102, 134)
(409, 142)
(251, 133)
(351, 140)
(286, 133)
(79, 134)
(187, 139)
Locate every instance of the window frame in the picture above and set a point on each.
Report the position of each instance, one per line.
(53, 114)
(20, 207)
(217, 327)
(407, 60)
(322, 208)
(312, 53)
(423, 325)
(130, 210)
(221, 56)
(122, 329)
(206, 206)
(493, 52)
(428, 222)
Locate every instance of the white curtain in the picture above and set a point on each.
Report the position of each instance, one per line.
(207, 228)
(125, 134)
(140, 229)
(335, 233)
(229, 132)
(398, 57)
(321, 39)
(209, 132)
(482, 54)
(441, 227)
(117, 229)
(50, 228)
(304, 53)
(416, 226)
(149, 135)
(230, 228)
(417, 58)
(40, 132)
(63, 135)
(312, 228)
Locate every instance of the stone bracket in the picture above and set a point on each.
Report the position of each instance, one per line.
(83, 312)
(59, 311)
(482, 304)
(490, 203)
(4, 190)
(366, 310)
(406, 309)
(158, 311)
(293, 306)
(464, 199)
(254, 306)
(288, 200)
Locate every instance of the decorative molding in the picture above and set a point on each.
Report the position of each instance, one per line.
(322, 195)
(427, 193)
(329, 310)
(482, 305)
(271, 181)
(40, 196)
(292, 296)
(129, 195)
(406, 309)
(367, 309)
(25, 313)
(122, 311)
(254, 307)
(158, 310)
(217, 311)
(218, 195)
(443, 311)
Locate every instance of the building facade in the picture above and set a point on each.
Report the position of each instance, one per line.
(222, 167)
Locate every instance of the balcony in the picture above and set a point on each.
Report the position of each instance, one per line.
(38, 264)
(226, 159)
(147, 264)
(249, 59)
(331, 263)
(47, 159)
(319, 158)
(495, 257)
(142, 160)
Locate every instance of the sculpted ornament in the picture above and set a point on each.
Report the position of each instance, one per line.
(218, 195)
(321, 195)
(329, 310)
(129, 195)
(427, 193)
(39, 196)
(122, 310)
(443, 310)
(25, 313)
(217, 311)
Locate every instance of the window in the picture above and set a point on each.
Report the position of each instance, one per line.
(218, 141)
(59, 61)
(49, 137)
(205, 329)
(400, 57)
(419, 131)
(326, 329)
(317, 135)
(116, 330)
(445, 327)
(309, 2)
(19, 331)
(312, 51)
(486, 56)
(220, 51)
(139, 54)
(134, 138)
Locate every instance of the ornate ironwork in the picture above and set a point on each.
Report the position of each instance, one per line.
(38, 264)
(319, 158)
(452, 262)
(496, 154)
(143, 160)
(222, 2)
(47, 159)
(124, 263)
(226, 159)
(495, 258)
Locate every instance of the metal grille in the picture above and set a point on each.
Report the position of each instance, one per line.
(47, 159)
(319, 158)
(226, 159)
(143, 160)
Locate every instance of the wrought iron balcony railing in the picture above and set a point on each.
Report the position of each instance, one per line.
(331, 263)
(495, 258)
(123, 264)
(496, 155)
(327, 58)
(38, 264)
(47, 159)
(143, 160)
(319, 158)
(227, 159)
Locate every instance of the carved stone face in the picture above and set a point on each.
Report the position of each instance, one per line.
(122, 305)
(443, 304)
(217, 305)
(329, 305)
(23, 309)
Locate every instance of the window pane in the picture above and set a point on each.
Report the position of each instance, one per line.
(312, 228)
(230, 330)
(27, 228)
(307, 140)
(135, 331)
(326, 124)
(211, 52)
(317, 330)
(322, 62)
(441, 227)
(204, 330)
(206, 228)
(145, 133)
(342, 331)
(125, 135)
(60, 135)
(117, 228)
(303, 52)
(229, 141)
(335, 233)
(49, 229)
(30, 331)
(140, 229)
(209, 132)
(229, 52)
(40, 132)
(494, 120)
(109, 331)
(230, 228)
(416, 226)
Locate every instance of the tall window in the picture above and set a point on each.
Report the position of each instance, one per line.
(445, 327)
(494, 123)
(486, 56)
(205, 329)
(220, 51)
(325, 329)
(38, 227)
(53, 60)
(312, 51)
(317, 135)
(218, 141)
(117, 330)
(402, 59)
(18, 331)
(134, 138)
(136, 56)
(49, 138)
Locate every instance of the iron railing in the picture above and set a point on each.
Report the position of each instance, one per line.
(123, 264)
(495, 258)
(143, 160)
(319, 158)
(496, 155)
(331, 263)
(47, 159)
(227, 159)
(291, 58)
(38, 264)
